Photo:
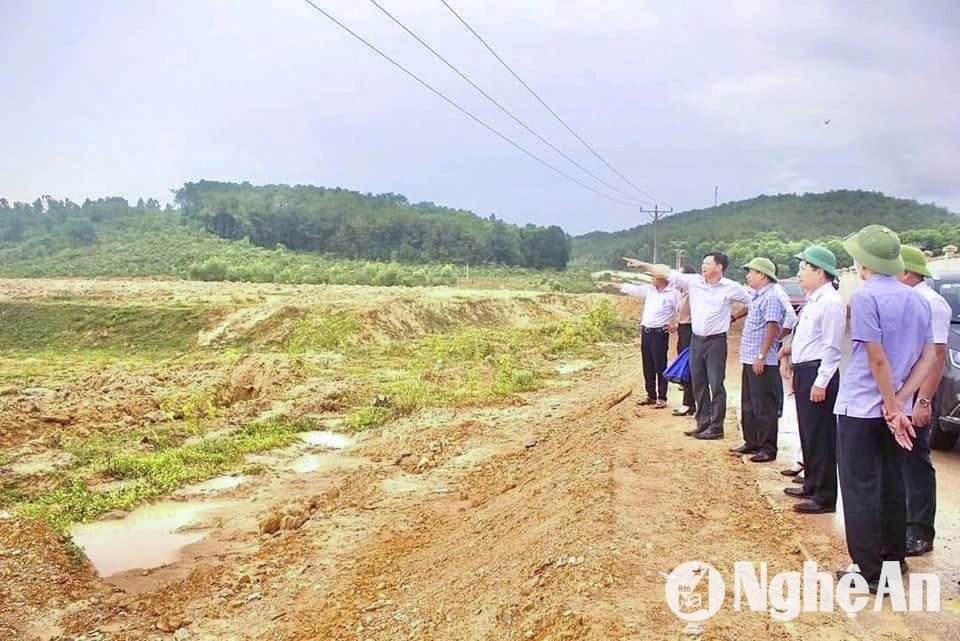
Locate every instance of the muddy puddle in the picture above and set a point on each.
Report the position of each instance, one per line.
(215, 485)
(148, 537)
(326, 439)
(572, 367)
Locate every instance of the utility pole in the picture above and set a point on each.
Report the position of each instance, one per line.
(715, 188)
(678, 247)
(656, 211)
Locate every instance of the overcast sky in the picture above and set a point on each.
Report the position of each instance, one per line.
(135, 97)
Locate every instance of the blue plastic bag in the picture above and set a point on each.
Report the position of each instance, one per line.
(679, 370)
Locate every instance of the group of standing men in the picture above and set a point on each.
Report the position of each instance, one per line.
(872, 424)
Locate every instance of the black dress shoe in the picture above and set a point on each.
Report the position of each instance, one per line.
(812, 507)
(694, 431)
(799, 479)
(796, 492)
(647, 401)
(792, 471)
(918, 547)
(709, 435)
(744, 449)
(763, 457)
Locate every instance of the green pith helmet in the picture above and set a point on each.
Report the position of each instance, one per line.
(763, 265)
(877, 248)
(821, 257)
(914, 261)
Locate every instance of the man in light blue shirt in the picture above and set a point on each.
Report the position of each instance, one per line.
(759, 346)
(891, 355)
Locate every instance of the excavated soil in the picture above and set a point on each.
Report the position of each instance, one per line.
(555, 517)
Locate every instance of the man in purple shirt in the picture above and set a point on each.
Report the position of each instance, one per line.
(892, 352)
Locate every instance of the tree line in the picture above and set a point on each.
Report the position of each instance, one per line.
(339, 222)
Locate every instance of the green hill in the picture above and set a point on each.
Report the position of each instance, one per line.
(768, 225)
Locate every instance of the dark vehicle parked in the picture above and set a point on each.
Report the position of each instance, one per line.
(946, 425)
(795, 292)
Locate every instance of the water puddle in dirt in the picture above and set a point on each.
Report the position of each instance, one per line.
(329, 440)
(573, 367)
(218, 484)
(148, 538)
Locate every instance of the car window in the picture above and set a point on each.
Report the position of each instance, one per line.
(951, 292)
(793, 289)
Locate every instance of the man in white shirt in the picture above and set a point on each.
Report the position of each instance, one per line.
(919, 477)
(659, 309)
(815, 358)
(711, 301)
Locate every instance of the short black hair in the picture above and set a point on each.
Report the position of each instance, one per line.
(719, 258)
(687, 269)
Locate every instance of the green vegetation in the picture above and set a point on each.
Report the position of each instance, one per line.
(384, 227)
(767, 223)
(477, 365)
(157, 470)
(32, 327)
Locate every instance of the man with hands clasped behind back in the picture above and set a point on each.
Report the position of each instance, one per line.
(891, 355)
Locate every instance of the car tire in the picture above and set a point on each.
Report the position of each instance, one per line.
(943, 440)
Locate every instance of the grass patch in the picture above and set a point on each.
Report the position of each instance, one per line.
(323, 334)
(155, 472)
(65, 327)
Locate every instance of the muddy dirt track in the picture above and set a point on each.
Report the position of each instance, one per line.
(548, 520)
(551, 515)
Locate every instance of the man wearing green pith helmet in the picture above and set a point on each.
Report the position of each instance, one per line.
(891, 355)
(919, 477)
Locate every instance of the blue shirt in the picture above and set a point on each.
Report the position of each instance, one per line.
(764, 307)
(887, 312)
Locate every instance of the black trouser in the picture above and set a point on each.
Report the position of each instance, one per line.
(758, 407)
(874, 504)
(684, 334)
(708, 364)
(818, 435)
(653, 346)
(920, 486)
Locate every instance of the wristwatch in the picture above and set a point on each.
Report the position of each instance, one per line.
(923, 402)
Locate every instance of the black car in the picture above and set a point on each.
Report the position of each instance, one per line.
(946, 427)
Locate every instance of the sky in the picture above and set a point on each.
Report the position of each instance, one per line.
(136, 97)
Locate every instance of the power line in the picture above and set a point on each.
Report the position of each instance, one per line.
(501, 107)
(545, 105)
(465, 112)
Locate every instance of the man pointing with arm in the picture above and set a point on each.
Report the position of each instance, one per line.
(711, 301)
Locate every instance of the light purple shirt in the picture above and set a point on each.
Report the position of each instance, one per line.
(887, 312)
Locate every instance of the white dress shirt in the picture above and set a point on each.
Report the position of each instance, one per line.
(819, 332)
(710, 304)
(659, 306)
(940, 313)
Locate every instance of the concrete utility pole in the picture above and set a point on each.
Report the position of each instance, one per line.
(678, 247)
(715, 188)
(656, 211)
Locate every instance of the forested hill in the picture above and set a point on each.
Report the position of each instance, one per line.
(784, 217)
(338, 222)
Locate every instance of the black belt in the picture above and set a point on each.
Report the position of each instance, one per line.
(710, 337)
(807, 364)
(653, 330)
